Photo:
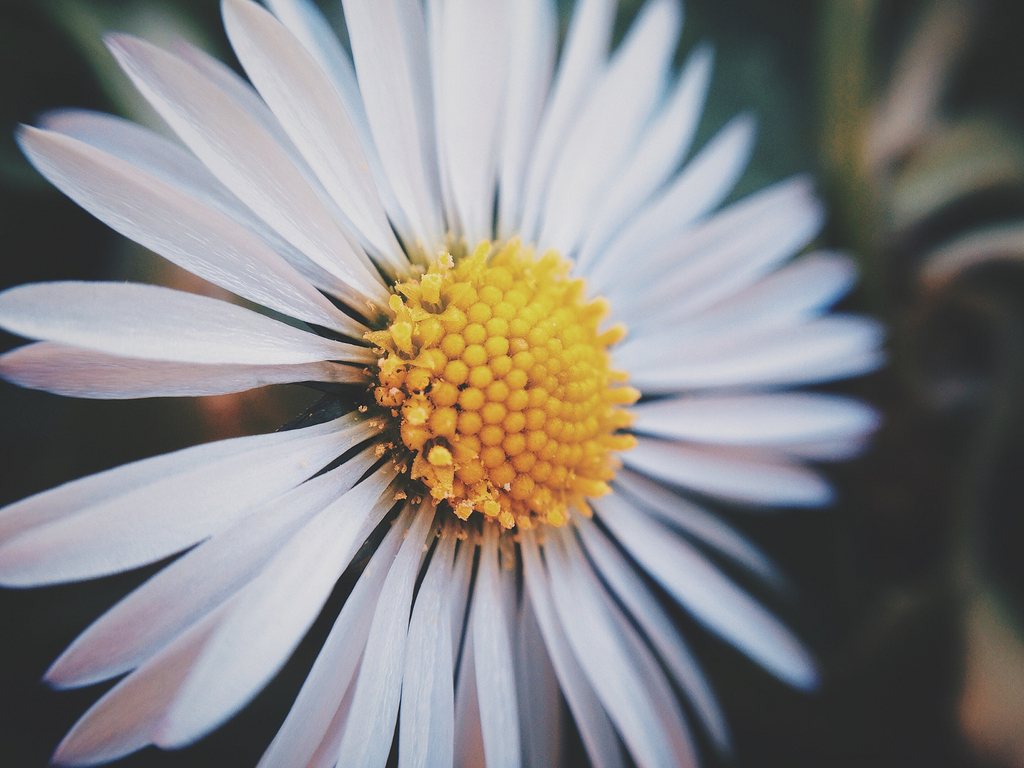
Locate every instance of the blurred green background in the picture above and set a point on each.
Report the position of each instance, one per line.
(910, 114)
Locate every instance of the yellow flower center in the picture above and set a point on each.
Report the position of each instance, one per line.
(500, 380)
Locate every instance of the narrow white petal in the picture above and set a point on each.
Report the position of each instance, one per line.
(175, 165)
(698, 189)
(766, 420)
(745, 476)
(273, 612)
(540, 702)
(712, 599)
(461, 577)
(247, 160)
(308, 24)
(196, 583)
(671, 719)
(700, 278)
(798, 291)
(595, 728)
(426, 729)
(657, 625)
(138, 518)
(608, 126)
(495, 677)
(312, 113)
(742, 222)
(533, 37)
(472, 55)
(655, 499)
(371, 725)
(833, 347)
(69, 498)
(469, 739)
(582, 60)
(80, 373)
(150, 322)
(311, 733)
(664, 145)
(607, 659)
(125, 719)
(390, 52)
(179, 227)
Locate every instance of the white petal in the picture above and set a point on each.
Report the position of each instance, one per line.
(80, 373)
(663, 146)
(312, 113)
(712, 599)
(533, 35)
(702, 275)
(371, 725)
(698, 189)
(126, 717)
(150, 322)
(177, 226)
(426, 732)
(69, 498)
(540, 703)
(495, 677)
(308, 24)
(657, 625)
(595, 728)
(744, 476)
(472, 55)
(607, 659)
(583, 58)
(273, 612)
(172, 163)
(132, 516)
(196, 583)
(798, 291)
(826, 349)
(390, 52)
(666, 703)
(469, 739)
(768, 420)
(314, 717)
(655, 499)
(461, 577)
(246, 158)
(608, 126)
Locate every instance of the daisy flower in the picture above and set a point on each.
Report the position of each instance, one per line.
(451, 236)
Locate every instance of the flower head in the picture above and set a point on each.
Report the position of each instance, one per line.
(487, 263)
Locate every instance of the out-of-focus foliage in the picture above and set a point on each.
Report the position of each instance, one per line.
(931, 197)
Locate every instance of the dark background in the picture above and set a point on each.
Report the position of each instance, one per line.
(918, 660)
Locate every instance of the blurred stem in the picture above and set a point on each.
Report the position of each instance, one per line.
(847, 105)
